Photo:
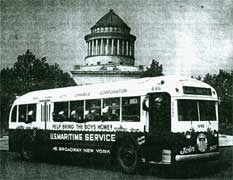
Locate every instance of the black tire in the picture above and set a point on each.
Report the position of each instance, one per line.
(127, 157)
(27, 150)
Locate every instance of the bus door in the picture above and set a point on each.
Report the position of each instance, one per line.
(159, 112)
(159, 108)
(45, 113)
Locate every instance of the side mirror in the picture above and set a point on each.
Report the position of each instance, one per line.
(145, 104)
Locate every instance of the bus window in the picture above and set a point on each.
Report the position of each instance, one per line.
(187, 110)
(93, 110)
(111, 109)
(22, 113)
(207, 110)
(13, 115)
(76, 111)
(60, 111)
(131, 109)
(31, 112)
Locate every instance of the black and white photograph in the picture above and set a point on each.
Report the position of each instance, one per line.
(116, 89)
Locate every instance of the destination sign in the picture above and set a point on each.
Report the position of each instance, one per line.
(196, 90)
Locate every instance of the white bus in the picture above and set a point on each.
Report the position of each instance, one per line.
(161, 120)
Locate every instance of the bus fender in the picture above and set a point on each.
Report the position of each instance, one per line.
(21, 136)
(27, 148)
(126, 154)
(122, 137)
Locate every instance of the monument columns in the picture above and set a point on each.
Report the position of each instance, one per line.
(112, 47)
(118, 47)
(107, 47)
(101, 46)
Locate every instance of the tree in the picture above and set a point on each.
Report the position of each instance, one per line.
(28, 74)
(223, 84)
(154, 70)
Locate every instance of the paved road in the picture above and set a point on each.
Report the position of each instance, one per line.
(12, 167)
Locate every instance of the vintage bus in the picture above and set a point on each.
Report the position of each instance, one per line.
(160, 120)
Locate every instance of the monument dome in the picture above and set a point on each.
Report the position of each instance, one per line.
(110, 52)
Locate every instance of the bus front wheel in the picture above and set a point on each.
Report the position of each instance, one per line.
(27, 152)
(127, 157)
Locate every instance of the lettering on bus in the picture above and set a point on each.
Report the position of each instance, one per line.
(83, 137)
(141, 140)
(84, 150)
(156, 88)
(120, 128)
(201, 126)
(116, 91)
(187, 150)
(83, 127)
(66, 136)
(212, 148)
(83, 94)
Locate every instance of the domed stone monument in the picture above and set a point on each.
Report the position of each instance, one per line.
(110, 53)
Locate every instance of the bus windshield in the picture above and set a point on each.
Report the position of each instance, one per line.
(193, 110)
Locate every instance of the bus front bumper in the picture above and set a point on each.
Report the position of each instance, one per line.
(212, 155)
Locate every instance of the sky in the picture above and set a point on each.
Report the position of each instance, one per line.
(188, 37)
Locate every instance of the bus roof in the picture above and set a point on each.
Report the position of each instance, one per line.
(171, 84)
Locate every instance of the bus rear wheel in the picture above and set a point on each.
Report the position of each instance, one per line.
(27, 152)
(127, 157)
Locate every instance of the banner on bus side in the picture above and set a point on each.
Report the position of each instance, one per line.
(83, 127)
(81, 150)
(106, 137)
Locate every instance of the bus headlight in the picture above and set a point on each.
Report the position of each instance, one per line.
(188, 135)
(215, 133)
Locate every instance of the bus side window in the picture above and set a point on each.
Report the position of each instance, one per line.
(22, 113)
(76, 111)
(93, 110)
(60, 112)
(31, 112)
(13, 115)
(131, 109)
(111, 109)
